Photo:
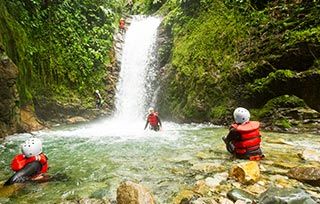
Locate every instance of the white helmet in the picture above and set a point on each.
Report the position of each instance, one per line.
(31, 147)
(241, 115)
(150, 110)
(97, 91)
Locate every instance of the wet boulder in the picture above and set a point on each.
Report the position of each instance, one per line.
(276, 195)
(185, 196)
(29, 120)
(310, 155)
(245, 172)
(7, 191)
(225, 201)
(76, 119)
(132, 193)
(207, 167)
(310, 175)
(204, 201)
(238, 194)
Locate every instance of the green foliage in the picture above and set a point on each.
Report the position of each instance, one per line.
(285, 101)
(65, 44)
(219, 112)
(226, 51)
(261, 85)
(148, 6)
(311, 35)
(283, 123)
(205, 48)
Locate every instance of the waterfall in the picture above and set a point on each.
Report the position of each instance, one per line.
(134, 89)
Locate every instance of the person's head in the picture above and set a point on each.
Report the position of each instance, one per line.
(31, 147)
(96, 91)
(241, 115)
(151, 110)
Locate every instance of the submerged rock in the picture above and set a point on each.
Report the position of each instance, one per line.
(276, 195)
(204, 201)
(256, 189)
(246, 172)
(281, 181)
(132, 193)
(310, 175)
(7, 191)
(238, 194)
(207, 167)
(76, 119)
(310, 155)
(225, 201)
(185, 196)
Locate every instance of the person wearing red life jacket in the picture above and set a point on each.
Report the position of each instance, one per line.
(31, 164)
(244, 137)
(154, 120)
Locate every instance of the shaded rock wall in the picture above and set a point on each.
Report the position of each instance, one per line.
(9, 99)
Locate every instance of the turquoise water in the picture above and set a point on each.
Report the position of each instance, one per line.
(89, 161)
(93, 166)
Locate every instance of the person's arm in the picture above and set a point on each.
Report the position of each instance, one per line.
(233, 135)
(159, 121)
(146, 124)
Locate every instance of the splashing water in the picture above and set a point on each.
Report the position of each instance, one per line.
(137, 58)
(134, 88)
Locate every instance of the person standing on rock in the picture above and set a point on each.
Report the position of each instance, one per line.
(244, 136)
(99, 100)
(154, 120)
(122, 25)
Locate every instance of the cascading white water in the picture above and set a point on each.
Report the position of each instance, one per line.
(133, 88)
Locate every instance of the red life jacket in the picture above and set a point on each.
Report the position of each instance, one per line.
(20, 160)
(153, 119)
(250, 137)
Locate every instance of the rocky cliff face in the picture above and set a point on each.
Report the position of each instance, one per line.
(9, 110)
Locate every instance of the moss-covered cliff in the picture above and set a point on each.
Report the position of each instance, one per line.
(225, 54)
(63, 49)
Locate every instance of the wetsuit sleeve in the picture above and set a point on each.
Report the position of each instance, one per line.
(232, 136)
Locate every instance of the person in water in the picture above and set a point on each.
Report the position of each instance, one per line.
(99, 100)
(154, 120)
(31, 164)
(244, 137)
